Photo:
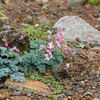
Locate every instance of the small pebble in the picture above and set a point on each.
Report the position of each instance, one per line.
(36, 25)
(81, 10)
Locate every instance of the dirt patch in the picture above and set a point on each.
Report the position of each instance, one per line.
(29, 12)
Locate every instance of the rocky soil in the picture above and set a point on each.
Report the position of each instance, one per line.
(82, 81)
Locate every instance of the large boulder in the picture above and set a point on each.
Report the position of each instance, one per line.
(75, 27)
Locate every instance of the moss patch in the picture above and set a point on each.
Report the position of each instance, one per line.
(94, 2)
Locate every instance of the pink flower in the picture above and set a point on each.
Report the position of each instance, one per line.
(42, 47)
(68, 48)
(46, 57)
(58, 44)
(6, 44)
(59, 29)
(66, 53)
(59, 37)
(67, 65)
(15, 49)
(61, 48)
(50, 53)
(51, 46)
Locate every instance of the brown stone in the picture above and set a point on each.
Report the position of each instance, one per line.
(13, 36)
(35, 86)
(60, 72)
(3, 93)
(67, 87)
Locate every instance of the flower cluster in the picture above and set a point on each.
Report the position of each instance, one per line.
(14, 48)
(57, 44)
(48, 52)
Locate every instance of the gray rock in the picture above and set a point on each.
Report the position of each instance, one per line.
(71, 93)
(34, 14)
(74, 27)
(17, 93)
(81, 10)
(6, 27)
(26, 10)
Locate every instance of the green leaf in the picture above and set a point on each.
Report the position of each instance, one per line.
(41, 68)
(81, 45)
